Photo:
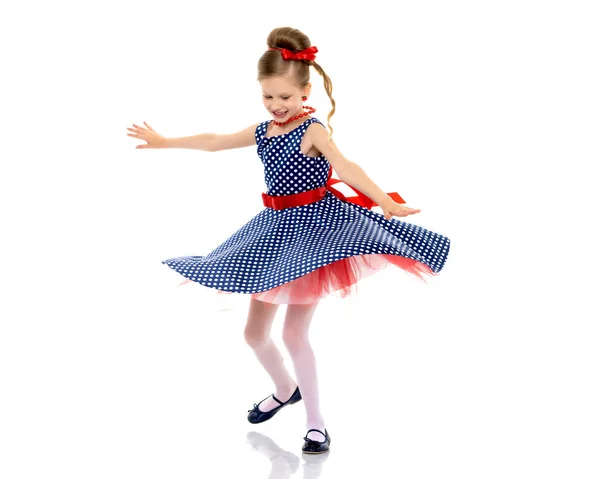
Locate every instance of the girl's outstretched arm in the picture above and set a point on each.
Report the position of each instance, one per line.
(203, 141)
(215, 142)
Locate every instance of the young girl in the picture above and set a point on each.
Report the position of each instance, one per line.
(309, 240)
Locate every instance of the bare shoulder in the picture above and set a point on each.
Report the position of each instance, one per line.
(319, 137)
(238, 139)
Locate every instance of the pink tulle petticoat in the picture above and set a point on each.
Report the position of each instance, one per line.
(339, 278)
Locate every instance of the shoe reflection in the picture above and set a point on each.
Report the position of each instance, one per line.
(284, 463)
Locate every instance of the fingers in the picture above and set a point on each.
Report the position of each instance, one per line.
(141, 127)
(406, 211)
(412, 212)
(138, 129)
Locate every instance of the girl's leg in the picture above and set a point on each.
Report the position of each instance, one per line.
(258, 336)
(295, 336)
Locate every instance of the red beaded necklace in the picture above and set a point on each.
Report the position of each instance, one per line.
(310, 110)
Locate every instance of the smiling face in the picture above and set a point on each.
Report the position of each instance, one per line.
(282, 97)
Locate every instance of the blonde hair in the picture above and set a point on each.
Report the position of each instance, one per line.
(271, 62)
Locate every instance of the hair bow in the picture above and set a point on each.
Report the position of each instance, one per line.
(306, 54)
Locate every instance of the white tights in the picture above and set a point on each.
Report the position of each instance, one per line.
(295, 337)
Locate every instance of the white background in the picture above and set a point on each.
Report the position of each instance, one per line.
(482, 114)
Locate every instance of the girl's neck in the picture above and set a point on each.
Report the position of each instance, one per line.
(289, 126)
(303, 116)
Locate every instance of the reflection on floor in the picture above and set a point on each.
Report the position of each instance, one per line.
(285, 463)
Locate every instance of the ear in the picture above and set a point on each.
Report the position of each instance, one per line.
(306, 90)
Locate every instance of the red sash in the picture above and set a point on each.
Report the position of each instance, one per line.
(312, 196)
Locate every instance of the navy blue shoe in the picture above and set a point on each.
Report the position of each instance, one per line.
(255, 415)
(316, 447)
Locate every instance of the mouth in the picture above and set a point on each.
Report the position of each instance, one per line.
(277, 114)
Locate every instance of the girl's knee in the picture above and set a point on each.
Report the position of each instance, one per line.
(294, 339)
(258, 325)
(255, 337)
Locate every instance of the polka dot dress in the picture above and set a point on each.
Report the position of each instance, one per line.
(303, 253)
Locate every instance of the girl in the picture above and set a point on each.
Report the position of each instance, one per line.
(310, 240)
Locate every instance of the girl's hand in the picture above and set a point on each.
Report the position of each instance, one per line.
(151, 137)
(391, 208)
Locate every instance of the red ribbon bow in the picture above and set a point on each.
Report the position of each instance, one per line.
(306, 54)
(361, 199)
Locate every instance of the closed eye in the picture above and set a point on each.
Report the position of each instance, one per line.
(284, 97)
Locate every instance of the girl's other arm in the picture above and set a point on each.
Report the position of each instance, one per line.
(353, 175)
(348, 171)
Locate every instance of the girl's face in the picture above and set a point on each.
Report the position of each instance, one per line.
(282, 97)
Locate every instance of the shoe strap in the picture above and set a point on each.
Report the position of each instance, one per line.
(317, 430)
(256, 405)
(288, 399)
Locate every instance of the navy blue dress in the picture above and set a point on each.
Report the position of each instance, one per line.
(276, 247)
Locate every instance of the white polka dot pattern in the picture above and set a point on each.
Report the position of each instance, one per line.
(278, 246)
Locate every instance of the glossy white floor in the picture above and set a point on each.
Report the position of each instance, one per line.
(422, 381)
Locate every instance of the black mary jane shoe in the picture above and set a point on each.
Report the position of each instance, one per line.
(316, 447)
(255, 415)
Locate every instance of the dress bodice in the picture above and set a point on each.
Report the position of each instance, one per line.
(287, 170)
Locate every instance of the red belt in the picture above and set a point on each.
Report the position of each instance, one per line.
(312, 196)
